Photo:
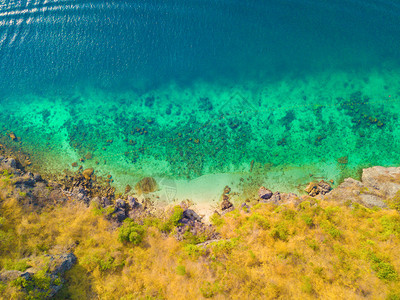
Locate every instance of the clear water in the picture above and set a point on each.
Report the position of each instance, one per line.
(203, 93)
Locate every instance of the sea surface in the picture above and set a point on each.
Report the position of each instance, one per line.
(202, 94)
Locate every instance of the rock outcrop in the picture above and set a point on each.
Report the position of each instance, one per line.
(377, 185)
(54, 265)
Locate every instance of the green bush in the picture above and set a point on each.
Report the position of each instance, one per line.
(280, 232)
(20, 265)
(181, 270)
(216, 220)
(173, 220)
(209, 289)
(331, 229)
(260, 220)
(384, 270)
(193, 251)
(395, 202)
(131, 232)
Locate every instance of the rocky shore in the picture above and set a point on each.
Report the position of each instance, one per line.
(378, 186)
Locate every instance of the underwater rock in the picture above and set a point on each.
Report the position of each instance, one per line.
(13, 136)
(88, 173)
(149, 101)
(264, 193)
(227, 190)
(205, 104)
(146, 185)
(74, 164)
(37, 177)
(128, 188)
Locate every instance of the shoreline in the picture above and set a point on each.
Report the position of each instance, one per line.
(194, 194)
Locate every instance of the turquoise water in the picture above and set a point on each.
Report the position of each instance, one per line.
(203, 93)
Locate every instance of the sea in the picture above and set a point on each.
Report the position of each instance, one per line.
(200, 94)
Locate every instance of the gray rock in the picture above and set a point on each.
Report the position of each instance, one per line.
(226, 204)
(384, 180)
(10, 275)
(105, 201)
(264, 193)
(9, 163)
(132, 202)
(190, 215)
(372, 200)
(61, 263)
(245, 207)
(275, 198)
(37, 177)
(324, 187)
(80, 194)
(119, 203)
(120, 214)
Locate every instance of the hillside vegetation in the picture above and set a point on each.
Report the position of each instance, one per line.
(317, 249)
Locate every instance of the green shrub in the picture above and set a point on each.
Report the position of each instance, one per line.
(391, 226)
(190, 238)
(181, 270)
(395, 202)
(313, 244)
(331, 229)
(308, 220)
(384, 270)
(307, 286)
(131, 232)
(393, 296)
(280, 232)
(193, 251)
(260, 220)
(173, 220)
(217, 220)
(20, 265)
(209, 289)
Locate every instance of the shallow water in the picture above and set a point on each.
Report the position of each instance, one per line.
(200, 94)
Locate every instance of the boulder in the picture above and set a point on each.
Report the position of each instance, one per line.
(264, 193)
(316, 188)
(59, 264)
(132, 202)
(324, 187)
(10, 275)
(384, 180)
(9, 163)
(190, 215)
(351, 190)
(226, 204)
(119, 203)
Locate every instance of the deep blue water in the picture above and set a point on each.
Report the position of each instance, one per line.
(113, 44)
